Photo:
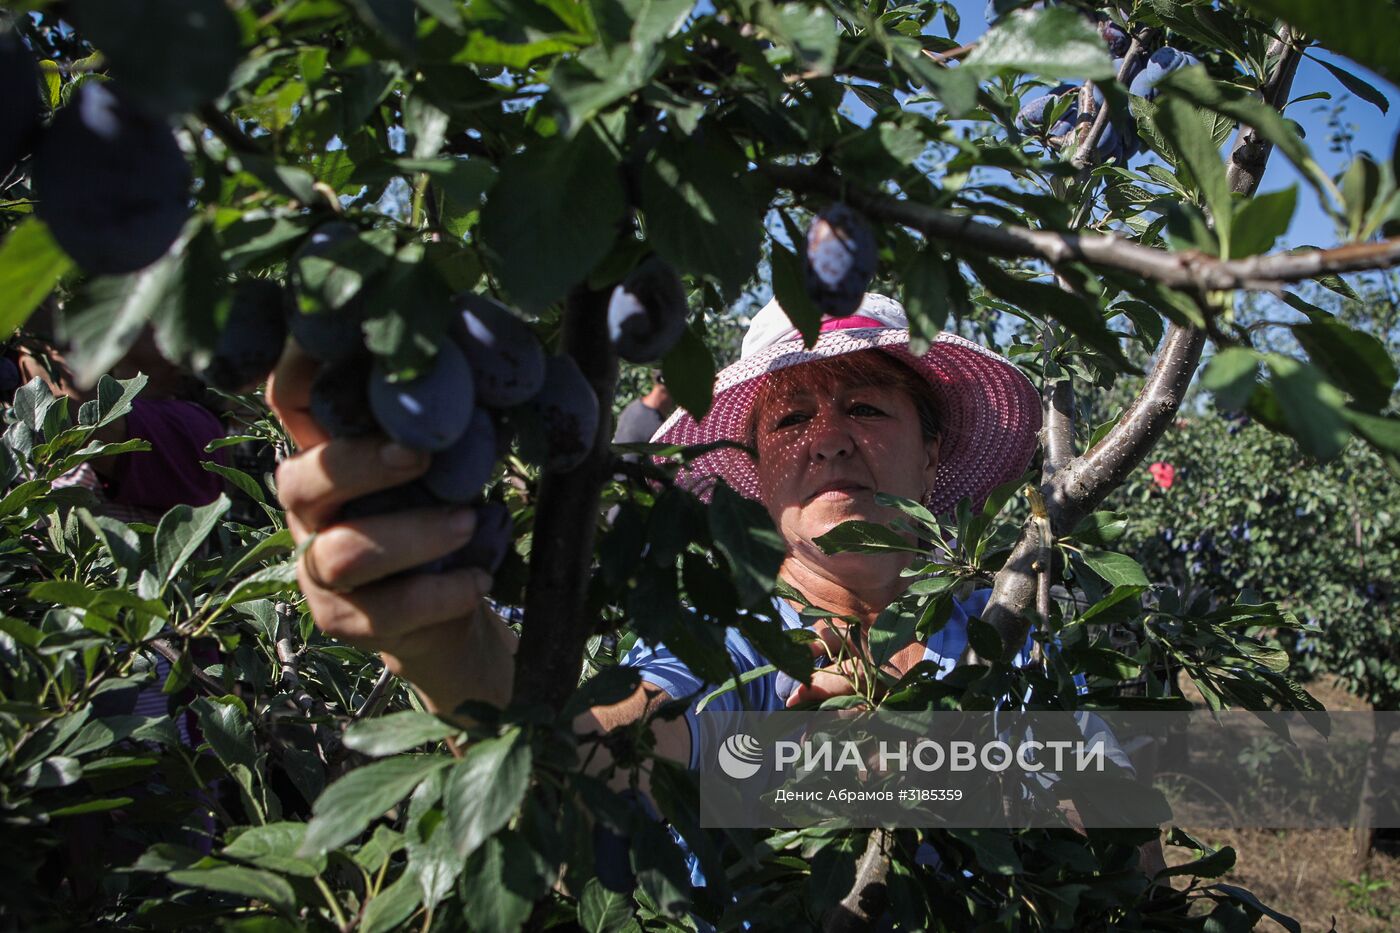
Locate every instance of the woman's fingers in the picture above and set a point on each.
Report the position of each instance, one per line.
(289, 396)
(352, 554)
(394, 615)
(315, 483)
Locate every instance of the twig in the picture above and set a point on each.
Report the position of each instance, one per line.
(175, 656)
(378, 697)
(1085, 155)
(957, 53)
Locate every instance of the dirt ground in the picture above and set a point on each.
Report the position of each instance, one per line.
(1310, 874)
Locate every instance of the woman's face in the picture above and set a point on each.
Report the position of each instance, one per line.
(824, 452)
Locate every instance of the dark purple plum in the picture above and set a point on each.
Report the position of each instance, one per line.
(340, 397)
(489, 543)
(567, 410)
(1162, 63)
(458, 473)
(10, 379)
(20, 107)
(252, 339)
(647, 312)
(841, 259)
(507, 360)
(1113, 36)
(428, 412)
(326, 334)
(111, 181)
(414, 495)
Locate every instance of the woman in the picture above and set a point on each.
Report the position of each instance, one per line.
(855, 414)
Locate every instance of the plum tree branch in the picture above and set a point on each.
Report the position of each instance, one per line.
(1075, 490)
(1187, 271)
(1085, 155)
(552, 642)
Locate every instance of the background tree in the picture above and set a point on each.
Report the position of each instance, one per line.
(381, 159)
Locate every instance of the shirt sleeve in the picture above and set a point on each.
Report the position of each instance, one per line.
(659, 666)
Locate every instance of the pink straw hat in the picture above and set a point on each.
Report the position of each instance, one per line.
(989, 413)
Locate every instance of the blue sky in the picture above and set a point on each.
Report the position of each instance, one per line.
(1374, 132)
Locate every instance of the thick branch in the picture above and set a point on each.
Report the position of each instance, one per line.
(862, 907)
(1188, 271)
(550, 656)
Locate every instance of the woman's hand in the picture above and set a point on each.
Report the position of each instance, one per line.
(846, 677)
(420, 622)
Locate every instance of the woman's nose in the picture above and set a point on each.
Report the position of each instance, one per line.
(829, 438)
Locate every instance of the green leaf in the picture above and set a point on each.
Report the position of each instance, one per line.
(555, 199)
(274, 847)
(501, 881)
(1100, 529)
(743, 531)
(865, 537)
(180, 533)
(1117, 569)
(1353, 359)
(926, 297)
(809, 32)
(1187, 129)
(984, 639)
(348, 806)
(1311, 406)
(227, 730)
(244, 483)
(251, 883)
(31, 264)
(1211, 865)
(1231, 375)
(1261, 220)
(734, 683)
(1362, 30)
(1360, 88)
(790, 288)
(485, 788)
(993, 848)
(180, 292)
(174, 54)
(1117, 597)
(393, 905)
(395, 733)
(893, 630)
(1053, 43)
(601, 910)
(699, 214)
(689, 371)
(1360, 184)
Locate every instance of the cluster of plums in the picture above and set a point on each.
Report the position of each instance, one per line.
(490, 380)
(1120, 138)
(109, 177)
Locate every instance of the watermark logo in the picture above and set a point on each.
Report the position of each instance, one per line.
(740, 756)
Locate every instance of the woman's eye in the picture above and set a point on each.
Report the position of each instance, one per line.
(790, 419)
(865, 409)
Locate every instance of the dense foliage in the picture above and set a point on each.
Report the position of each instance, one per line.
(407, 172)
